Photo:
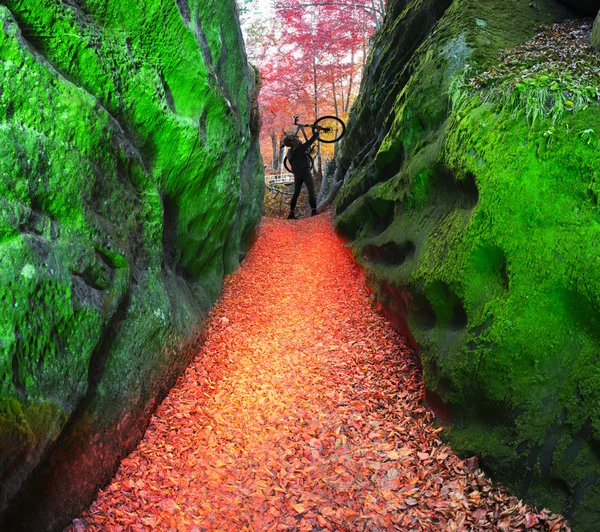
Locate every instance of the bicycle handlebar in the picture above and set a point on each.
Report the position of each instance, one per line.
(296, 117)
(313, 125)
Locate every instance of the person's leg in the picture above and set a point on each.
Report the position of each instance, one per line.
(312, 198)
(297, 187)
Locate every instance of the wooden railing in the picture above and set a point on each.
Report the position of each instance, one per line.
(279, 179)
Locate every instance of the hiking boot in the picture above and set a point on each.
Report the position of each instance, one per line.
(314, 212)
(291, 216)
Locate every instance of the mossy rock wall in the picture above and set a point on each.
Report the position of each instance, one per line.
(130, 183)
(479, 233)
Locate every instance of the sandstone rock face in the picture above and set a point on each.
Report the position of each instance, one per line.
(478, 230)
(595, 37)
(130, 182)
(584, 7)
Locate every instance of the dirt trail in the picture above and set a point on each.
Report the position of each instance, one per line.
(301, 412)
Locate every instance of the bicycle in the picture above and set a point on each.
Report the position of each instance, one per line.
(331, 129)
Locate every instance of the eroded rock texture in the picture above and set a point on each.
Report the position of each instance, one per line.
(479, 233)
(583, 7)
(130, 182)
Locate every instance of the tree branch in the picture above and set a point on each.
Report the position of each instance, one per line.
(330, 197)
(326, 3)
(275, 189)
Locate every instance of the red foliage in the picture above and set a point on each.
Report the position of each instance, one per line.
(301, 412)
(310, 56)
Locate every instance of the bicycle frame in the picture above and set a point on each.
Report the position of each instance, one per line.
(338, 128)
(302, 127)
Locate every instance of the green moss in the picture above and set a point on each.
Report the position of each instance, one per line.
(130, 181)
(24, 427)
(529, 244)
(501, 290)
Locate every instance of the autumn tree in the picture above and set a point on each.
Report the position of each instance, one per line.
(311, 55)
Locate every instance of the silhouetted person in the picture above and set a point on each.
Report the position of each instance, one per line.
(300, 163)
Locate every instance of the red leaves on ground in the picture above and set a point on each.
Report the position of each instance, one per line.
(301, 412)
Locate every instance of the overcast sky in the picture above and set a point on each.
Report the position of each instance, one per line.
(264, 6)
(261, 9)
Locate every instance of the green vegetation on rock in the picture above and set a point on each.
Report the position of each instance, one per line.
(478, 226)
(554, 73)
(130, 182)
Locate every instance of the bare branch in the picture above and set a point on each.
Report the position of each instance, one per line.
(326, 3)
(275, 189)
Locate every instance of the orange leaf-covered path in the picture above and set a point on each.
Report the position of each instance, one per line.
(301, 412)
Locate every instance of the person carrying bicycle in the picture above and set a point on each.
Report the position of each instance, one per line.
(301, 168)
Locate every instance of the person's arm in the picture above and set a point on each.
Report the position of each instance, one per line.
(303, 148)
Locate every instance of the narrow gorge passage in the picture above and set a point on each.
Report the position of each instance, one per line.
(301, 412)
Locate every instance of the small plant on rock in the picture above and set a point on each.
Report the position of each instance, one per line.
(587, 135)
(553, 73)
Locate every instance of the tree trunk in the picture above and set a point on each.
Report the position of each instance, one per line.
(375, 17)
(319, 163)
(316, 95)
(364, 35)
(315, 87)
(595, 39)
(275, 146)
(346, 106)
(333, 187)
(280, 156)
(364, 57)
(335, 101)
(279, 151)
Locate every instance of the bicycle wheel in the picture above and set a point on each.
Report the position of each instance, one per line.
(333, 129)
(288, 166)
